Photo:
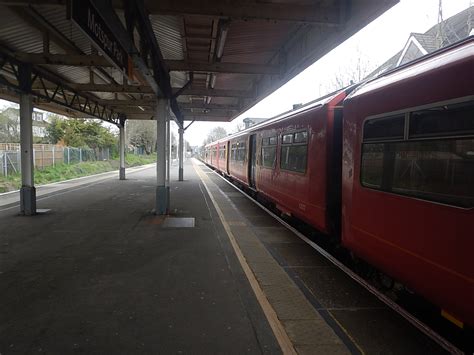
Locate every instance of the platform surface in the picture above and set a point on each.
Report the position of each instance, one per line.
(101, 274)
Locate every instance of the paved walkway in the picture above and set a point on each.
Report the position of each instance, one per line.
(100, 275)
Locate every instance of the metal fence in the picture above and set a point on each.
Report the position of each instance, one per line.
(47, 155)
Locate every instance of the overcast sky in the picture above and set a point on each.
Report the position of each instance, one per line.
(374, 44)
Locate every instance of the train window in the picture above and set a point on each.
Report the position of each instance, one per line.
(439, 170)
(269, 152)
(222, 150)
(238, 151)
(294, 155)
(448, 120)
(372, 165)
(233, 155)
(301, 137)
(287, 138)
(388, 128)
(435, 162)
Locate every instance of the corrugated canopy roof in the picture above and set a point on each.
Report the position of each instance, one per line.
(213, 59)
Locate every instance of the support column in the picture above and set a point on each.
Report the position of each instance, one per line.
(168, 148)
(162, 191)
(27, 191)
(122, 150)
(181, 153)
(168, 153)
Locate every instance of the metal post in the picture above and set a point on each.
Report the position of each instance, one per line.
(27, 191)
(80, 155)
(68, 156)
(181, 153)
(54, 153)
(42, 156)
(162, 191)
(5, 162)
(168, 149)
(122, 150)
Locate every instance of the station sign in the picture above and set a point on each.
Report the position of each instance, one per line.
(84, 14)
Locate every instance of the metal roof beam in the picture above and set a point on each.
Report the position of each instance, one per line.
(241, 68)
(218, 93)
(136, 16)
(76, 60)
(213, 113)
(135, 89)
(327, 15)
(95, 60)
(188, 106)
(131, 102)
(182, 105)
(203, 117)
(313, 14)
(114, 88)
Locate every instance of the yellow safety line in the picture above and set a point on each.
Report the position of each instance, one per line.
(277, 328)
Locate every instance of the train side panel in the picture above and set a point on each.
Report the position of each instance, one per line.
(391, 218)
(299, 187)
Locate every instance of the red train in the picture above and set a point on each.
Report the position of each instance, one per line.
(387, 167)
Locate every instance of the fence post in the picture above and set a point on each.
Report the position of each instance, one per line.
(5, 163)
(42, 156)
(80, 155)
(68, 156)
(54, 153)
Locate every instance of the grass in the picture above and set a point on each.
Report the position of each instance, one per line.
(65, 172)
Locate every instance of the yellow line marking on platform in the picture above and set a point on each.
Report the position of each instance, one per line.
(277, 328)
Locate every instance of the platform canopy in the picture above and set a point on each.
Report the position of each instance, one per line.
(212, 59)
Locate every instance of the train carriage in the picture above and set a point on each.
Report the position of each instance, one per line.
(400, 151)
(293, 164)
(408, 177)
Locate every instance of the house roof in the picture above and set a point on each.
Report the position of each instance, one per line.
(438, 36)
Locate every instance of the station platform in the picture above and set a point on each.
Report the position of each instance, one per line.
(99, 273)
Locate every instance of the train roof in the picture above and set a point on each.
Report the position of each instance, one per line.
(321, 101)
(453, 53)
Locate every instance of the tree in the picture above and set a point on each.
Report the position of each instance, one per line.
(10, 125)
(239, 126)
(55, 129)
(353, 71)
(142, 134)
(215, 134)
(79, 133)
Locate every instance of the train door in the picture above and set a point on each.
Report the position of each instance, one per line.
(252, 159)
(227, 157)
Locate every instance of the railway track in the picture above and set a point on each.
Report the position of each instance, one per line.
(446, 344)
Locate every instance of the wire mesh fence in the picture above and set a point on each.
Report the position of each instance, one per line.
(47, 155)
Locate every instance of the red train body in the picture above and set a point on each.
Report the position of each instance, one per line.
(419, 228)
(405, 196)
